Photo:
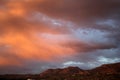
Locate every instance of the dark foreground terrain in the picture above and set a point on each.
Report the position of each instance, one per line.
(104, 72)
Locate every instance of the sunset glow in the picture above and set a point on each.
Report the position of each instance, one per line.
(58, 33)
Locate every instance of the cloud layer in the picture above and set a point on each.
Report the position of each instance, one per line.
(39, 34)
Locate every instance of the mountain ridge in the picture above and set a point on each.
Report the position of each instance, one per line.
(103, 72)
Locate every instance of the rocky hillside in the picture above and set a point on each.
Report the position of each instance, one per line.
(104, 72)
(108, 69)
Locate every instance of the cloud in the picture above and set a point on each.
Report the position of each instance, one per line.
(79, 9)
(41, 34)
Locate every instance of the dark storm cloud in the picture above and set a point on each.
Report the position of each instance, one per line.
(85, 12)
(89, 47)
(80, 9)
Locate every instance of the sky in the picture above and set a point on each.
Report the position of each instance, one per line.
(36, 35)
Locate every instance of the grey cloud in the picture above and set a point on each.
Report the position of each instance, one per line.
(88, 47)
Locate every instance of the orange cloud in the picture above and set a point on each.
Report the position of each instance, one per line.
(9, 62)
(21, 36)
(34, 47)
(16, 8)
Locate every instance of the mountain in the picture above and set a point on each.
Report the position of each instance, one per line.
(108, 69)
(66, 71)
(104, 72)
